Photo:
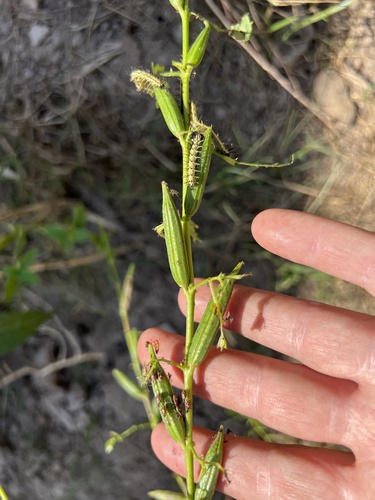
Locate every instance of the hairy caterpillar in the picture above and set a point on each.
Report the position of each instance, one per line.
(146, 82)
(196, 144)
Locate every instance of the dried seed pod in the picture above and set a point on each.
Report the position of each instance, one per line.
(195, 124)
(193, 115)
(198, 167)
(186, 402)
(166, 400)
(198, 48)
(176, 249)
(209, 474)
(146, 82)
(155, 344)
(212, 319)
(170, 111)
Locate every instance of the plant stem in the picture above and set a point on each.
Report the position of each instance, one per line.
(189, 291)
(185, 73)
(189, 457)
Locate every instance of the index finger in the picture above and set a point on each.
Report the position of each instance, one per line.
(335, 248)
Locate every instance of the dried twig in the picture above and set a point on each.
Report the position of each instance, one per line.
(292, 88)
(50, 368)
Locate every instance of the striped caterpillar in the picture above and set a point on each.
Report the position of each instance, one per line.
(196, 141)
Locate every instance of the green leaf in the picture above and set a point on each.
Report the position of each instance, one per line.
(79, 216)
(80, 235)
(19, 274)
(11, 283)
(56, 232)
(28, 258)
(242, 30)
(16, 327)
(6, 240)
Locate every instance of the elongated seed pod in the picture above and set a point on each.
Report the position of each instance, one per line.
(174, 241)
(170, 111)
(209, 325)
(198, 48)
(166, 400)
(177, 4)
(209, 475)
(146, 82)
(166, 495)
(198, 167)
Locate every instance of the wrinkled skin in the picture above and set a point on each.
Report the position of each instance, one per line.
(328, 397)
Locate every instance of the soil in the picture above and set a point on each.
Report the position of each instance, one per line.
(74, 128)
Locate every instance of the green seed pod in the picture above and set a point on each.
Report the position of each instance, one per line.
(198, 48)
(177, 4)
(170, 111)
(166, 495)
(197, 170)
(209, 474)
(146, 82)
(211, 320)
(165, 399)
(176, 249)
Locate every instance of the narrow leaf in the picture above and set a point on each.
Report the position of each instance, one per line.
(128, 385)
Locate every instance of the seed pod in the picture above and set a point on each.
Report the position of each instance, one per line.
(198, 48)
(170, 111)
(177, 4)
(166, 495)
(146, 82)
(198, 168)
(211, 320)
(176, 249)
(162, 389)
(209, 474)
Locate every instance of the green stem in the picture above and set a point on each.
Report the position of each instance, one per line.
(190, 305)
(190, 290)
(188, 374)
(185, 73)
(189, 457)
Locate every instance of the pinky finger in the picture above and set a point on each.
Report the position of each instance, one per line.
(258, 471)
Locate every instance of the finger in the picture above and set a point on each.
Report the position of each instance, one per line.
(334, 341)
(335, 248)
(285, 396)
(260, 471)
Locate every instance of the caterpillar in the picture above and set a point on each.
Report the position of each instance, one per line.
(146, 82)
(196, 141)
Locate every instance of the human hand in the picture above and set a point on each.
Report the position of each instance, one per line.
(329, 397)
